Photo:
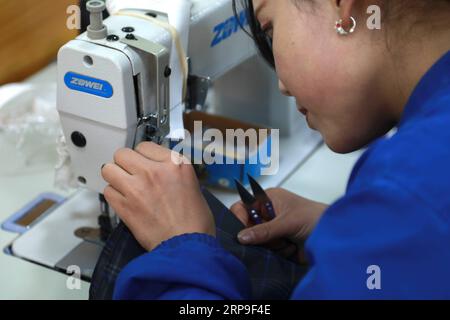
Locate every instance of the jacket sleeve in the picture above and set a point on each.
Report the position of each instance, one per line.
(380, 241)
(190, 266)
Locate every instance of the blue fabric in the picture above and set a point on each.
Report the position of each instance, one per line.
(395, 215)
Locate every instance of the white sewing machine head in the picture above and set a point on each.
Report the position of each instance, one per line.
(123, 81)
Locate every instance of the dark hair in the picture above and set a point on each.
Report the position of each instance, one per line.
(395, 10)
(262, 40)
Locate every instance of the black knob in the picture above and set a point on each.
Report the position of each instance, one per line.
(128, 29)
(130, 36)
(112, 37)
(78, 139)
(167, 72)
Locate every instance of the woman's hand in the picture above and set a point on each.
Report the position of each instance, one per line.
(156, 194)
(295, 218)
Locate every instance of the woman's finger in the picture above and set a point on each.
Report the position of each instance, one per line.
(117, 177)
(115, 199)
(131, 161)
(154, 152)
(264, 233)
(238, 209)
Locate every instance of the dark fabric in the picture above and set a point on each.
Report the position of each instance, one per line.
(272, 277)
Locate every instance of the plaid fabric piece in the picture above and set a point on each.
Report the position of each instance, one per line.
(272, 276)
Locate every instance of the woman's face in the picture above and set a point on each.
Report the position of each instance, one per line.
(335, 79)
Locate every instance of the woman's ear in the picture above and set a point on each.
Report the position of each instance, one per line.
(345, 8)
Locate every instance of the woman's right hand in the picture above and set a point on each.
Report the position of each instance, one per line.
(295, 219)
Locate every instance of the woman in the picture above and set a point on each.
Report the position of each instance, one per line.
(388, 236)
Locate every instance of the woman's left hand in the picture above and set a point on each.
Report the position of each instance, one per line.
(156, 194)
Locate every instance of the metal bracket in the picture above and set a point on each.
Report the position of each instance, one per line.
(156, 125)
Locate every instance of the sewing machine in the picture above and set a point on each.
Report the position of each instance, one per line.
(124, 81)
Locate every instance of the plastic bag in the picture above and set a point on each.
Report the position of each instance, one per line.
(29, 128)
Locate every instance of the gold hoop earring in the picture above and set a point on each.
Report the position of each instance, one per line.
(340, 27)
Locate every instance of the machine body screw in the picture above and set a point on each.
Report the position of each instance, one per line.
(128, 29)
(112, 37)
(167, 72)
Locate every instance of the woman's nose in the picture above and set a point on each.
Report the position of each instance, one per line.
(283, 89)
